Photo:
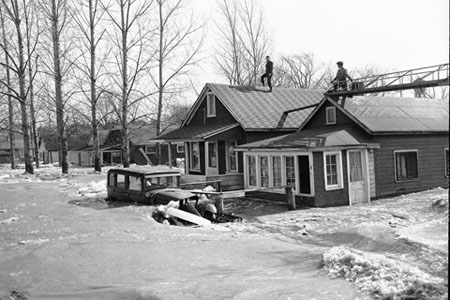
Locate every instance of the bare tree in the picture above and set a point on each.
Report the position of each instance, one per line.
(255, 39)
(176, 52)
(130, 38)
(299, 71)
(230, 58)
(57, 17)
(247, 42)
(8, 94)
(87, 19)
(31, 33)
(15, 12)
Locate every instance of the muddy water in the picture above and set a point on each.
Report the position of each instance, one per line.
(57, 250)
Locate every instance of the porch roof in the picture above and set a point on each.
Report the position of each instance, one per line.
(195, 132)
(315, 140)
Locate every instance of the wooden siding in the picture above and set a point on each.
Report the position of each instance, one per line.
(372, 177)
(431, 163)
(324, 198)
(319, 119)
(223, 116)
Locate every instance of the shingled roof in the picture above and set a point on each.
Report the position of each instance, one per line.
(390, 115)
(256, 109)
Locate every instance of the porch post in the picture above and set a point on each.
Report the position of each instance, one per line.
(290, 198)
(169, 146)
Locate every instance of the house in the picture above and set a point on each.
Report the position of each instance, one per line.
(225, 116)
(19, 150)
(142, 150)
(369, 148)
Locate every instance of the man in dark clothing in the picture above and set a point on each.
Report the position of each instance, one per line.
(340, 81)
(268, 74)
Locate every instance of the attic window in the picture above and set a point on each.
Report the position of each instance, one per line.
(331, 115)
(211, 105)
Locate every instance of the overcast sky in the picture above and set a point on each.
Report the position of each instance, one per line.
(390, 34)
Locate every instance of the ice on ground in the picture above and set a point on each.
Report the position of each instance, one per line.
(382, 277)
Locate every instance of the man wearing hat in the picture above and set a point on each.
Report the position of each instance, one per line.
(340, 81)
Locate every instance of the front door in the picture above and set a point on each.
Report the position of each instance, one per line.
(357, 177)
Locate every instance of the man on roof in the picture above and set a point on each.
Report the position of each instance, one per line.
(268, 74)
(340, 81)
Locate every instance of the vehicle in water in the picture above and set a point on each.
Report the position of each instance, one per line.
(158, 186)
(149, 185)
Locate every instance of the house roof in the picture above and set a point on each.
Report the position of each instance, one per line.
(197, 132)
(315, 139)
(255, 109)
(393, 115)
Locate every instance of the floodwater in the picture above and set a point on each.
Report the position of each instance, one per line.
(57, 244)
(54, 249)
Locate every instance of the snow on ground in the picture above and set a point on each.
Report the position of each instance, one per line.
(383, 277)
(391, 248)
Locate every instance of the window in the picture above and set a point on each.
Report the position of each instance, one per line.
(276, 171)
(211, 105)
(150, 149)
(135, 183)
(195, 156)
(212, 154)
(116, 157)
(333, 170)
(446, 159)
(112, 180)
(290, 171)
(331, 115)
(180, 148)
(120, 181)
(231, 156)
(406, 165)
(251, 170)
(264, 171)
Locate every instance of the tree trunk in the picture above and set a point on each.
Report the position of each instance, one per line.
(161, 83)
(31, 93)
(58, 91)
(23, 100)
(12, 145)
(125, 146)
(97, 164)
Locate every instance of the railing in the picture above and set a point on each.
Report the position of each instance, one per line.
(409, 79)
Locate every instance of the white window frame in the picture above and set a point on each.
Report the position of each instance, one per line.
(247, 169)
(178, 148)
(395, 165)
(284, 171)
(339, 172)
(191, 152)
(210, 105)
(332, 110)
(271, 169)
(260, 157)
(216, 153)
(150, 152)
(446, 162)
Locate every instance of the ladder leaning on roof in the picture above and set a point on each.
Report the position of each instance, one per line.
(417, 79)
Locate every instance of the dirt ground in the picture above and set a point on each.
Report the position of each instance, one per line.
(58, 242)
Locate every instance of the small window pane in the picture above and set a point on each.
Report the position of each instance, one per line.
(290, 171)
(264, 170)
(276, 165)
(252, 170)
